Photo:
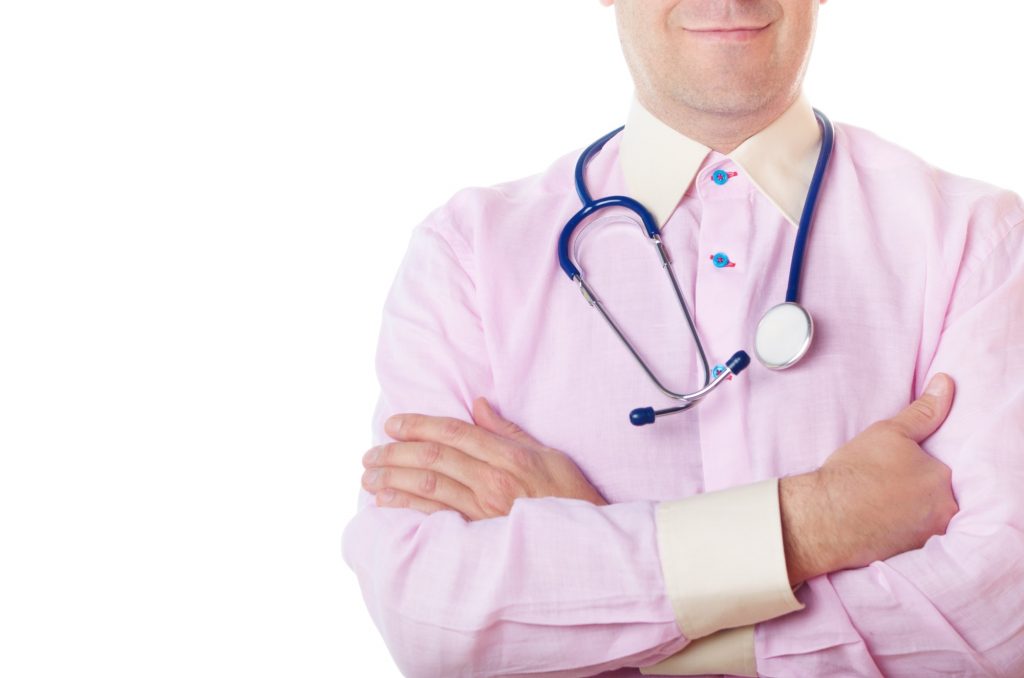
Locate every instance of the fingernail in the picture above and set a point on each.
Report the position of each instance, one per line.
(371, 476)
(372, 455)
(938, 386)
(393, 425)
(386, 495)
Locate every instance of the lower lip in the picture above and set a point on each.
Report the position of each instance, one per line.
(728, 36)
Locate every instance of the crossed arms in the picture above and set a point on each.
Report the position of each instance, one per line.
(561, 584)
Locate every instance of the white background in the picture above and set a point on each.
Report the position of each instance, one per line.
(202, 204)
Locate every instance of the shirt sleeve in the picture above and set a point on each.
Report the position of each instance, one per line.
(558, 586)
(954, 606)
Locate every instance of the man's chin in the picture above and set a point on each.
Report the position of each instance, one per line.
(725, 101)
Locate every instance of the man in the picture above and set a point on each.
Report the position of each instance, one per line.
(588, 546)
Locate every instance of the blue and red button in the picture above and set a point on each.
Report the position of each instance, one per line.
(720, 176)
(717, 370)
(721, 260)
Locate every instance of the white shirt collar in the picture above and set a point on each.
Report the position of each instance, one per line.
(659, 163)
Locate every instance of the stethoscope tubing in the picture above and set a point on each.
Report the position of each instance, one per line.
(810, 203)
(740, 359)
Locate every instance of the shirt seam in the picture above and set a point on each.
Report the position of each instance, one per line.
(975, 265)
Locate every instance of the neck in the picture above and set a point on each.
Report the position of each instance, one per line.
(721, 132)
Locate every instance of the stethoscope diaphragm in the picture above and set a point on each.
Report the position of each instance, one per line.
(783, 335)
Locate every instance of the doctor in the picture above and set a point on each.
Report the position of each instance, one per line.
(796, 522)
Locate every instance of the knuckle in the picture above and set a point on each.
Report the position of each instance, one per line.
(502, 482)
(428, 483)
(512, 429)
(923, 408)
(430, 454)
(486, 508)
(387, 451)
(452, 429)
(520, 457)
(501, 491)
(495, 506)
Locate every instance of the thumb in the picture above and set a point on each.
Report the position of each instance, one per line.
(485, 417)
(921, 418)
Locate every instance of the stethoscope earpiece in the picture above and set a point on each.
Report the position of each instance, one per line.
(642, 416)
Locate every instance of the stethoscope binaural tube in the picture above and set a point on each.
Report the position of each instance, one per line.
(590, 207)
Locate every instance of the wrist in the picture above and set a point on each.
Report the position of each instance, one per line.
(809, 535)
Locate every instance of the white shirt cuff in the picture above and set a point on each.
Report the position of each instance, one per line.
(722, 558)
(729, 651)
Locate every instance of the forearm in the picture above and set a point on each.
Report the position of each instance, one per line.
(930, 607)
(809, 541)
(952, 607)
(559, 586)
(830, 518)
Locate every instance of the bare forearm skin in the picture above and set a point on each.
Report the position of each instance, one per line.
(808, 537)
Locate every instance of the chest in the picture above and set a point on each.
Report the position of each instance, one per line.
(564, 374)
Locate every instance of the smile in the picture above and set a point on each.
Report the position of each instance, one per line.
(727, 34)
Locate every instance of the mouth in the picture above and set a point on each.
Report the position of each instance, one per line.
(728, 33)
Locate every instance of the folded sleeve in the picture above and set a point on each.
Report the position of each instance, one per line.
(557, 587)
(954, 606)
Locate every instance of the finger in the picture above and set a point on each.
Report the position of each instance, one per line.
(923, 417)
(473, 440)
(426, 484)
(486, 417)
(446, 460)
(392, 498)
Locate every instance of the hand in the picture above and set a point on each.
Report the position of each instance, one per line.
(876, 496)
(441, 463)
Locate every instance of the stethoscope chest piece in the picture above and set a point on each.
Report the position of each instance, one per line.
(783, 335)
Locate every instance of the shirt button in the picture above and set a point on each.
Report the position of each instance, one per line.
(720, 176)
(721, 260)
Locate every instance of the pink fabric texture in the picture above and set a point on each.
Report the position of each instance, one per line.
(909, 271)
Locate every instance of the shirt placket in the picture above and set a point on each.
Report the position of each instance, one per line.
(721, 292)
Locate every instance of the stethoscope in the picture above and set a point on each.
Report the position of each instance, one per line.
(785, 330)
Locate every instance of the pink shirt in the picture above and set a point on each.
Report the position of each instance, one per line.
(909, 271)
